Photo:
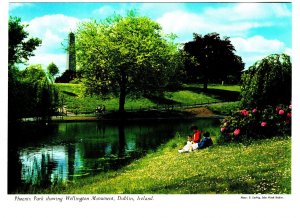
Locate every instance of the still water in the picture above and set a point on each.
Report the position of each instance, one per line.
(41, 155)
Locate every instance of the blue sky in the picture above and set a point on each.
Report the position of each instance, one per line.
(255, 29)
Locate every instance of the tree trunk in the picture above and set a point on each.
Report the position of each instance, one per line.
(122, 94)
(122, 102)
(205, 82)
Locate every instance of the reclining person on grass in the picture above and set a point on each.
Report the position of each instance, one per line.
(189, 145)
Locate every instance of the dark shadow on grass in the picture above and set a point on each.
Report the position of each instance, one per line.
(70, 93)
(221, 94)
(161, 100)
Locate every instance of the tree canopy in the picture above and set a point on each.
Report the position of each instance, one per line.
(125, 56)
(268, 82)
(52, 69)
(212, 58)
(30, 91)
(20, 46)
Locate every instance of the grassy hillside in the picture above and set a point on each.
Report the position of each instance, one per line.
(77, 102)
(264, 166)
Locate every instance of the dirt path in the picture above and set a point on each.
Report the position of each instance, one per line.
(200, 112)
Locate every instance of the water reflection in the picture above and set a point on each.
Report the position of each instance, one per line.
(42, 156)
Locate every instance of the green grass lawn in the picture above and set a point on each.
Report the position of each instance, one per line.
(262, 166)
(224, 108)
(76, 101)
(189, 97)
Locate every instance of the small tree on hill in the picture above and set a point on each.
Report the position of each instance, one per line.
(52, 69)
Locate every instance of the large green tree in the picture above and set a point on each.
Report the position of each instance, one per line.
(213, 58)
(126, 56)
(20, 46)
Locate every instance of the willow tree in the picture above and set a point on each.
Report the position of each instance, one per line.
(125, 56)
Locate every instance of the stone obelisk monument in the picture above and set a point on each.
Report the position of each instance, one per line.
(71, 58)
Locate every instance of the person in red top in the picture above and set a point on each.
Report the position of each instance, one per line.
(192, 143)
(197, 134)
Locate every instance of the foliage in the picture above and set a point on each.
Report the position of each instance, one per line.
(256, 123)
(267, 82)
(219, 169)
(210, 57)
(52, 69)
(225, 108)
(125, 56)
(20, 47)
(31, 94)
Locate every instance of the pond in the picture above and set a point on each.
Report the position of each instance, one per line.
(45, 154)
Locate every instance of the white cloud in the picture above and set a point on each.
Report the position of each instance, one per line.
(14, 5)
(53, 31)
(104, 11)
(255, 48)
(245, 11)
(233, 21)
(236, 21)
(46, 58)
(258, 44)
(183, 23)
(57, 23)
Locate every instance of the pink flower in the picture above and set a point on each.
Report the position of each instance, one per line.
(281, 112)
(289, 115)
(254, 110)
(290, 107)
(244, 112)
(277, 108)
(263, 124)
(236, 132)
(223, 129)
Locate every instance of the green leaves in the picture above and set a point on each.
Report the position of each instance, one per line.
(20, 48)
(128, 52)
(267, 82)
(212, 58)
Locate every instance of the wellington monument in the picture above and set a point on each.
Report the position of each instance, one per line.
(71, 55)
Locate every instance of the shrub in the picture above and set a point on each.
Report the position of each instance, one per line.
(256, 123)
(267, 82)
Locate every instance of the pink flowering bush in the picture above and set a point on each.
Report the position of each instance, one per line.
(256, 123)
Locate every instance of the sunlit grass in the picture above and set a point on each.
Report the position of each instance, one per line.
(76, 101)
(189, 97)
(225, 108)
(235, 88)
(261, 166)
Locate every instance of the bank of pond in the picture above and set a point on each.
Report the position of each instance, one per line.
(41, 155)
(137, 157)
